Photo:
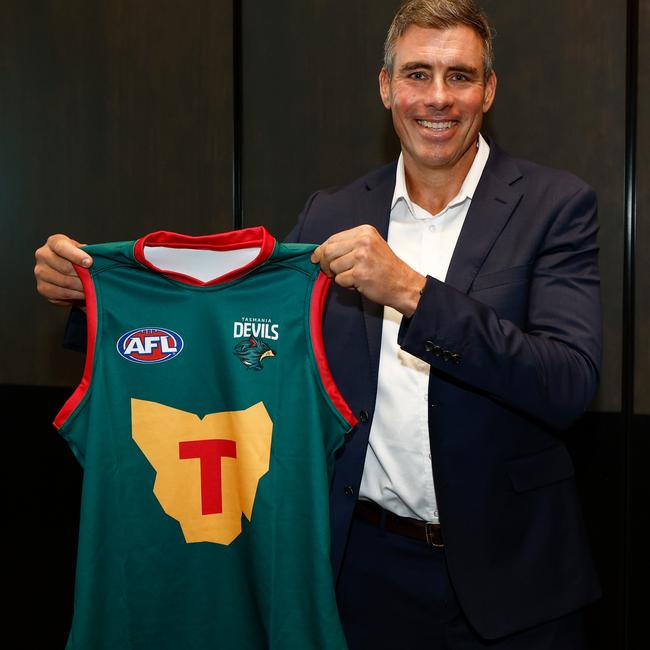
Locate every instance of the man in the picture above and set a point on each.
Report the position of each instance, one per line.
(464, 330)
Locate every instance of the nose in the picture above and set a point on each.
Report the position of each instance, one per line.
(438, 94)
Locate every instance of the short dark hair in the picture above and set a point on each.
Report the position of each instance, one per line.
(440, 14)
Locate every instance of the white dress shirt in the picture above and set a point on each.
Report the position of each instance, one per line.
(397, 473)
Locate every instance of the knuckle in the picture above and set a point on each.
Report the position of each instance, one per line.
(57, 246)
(361, 254)
(45, 290)
(71, 283)
(59, 243)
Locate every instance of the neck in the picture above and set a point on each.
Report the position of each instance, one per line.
(433, 188)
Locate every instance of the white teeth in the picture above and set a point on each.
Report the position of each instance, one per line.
(435, 126)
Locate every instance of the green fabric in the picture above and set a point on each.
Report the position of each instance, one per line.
(139, 584)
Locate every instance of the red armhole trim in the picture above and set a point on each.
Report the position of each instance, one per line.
(91, 318)
(318, 296)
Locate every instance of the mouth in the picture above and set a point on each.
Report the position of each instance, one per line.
(436, 126)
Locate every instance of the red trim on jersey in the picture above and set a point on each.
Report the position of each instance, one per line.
(257, 237)
(318, 296)
(91, 317)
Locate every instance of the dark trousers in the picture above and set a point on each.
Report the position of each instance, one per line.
(394, 594)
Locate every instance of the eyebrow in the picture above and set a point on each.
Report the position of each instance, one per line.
(459, 67)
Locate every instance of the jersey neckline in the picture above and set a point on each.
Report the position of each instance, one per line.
(255, 237)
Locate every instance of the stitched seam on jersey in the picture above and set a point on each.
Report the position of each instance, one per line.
(288, 265)
(94, 272)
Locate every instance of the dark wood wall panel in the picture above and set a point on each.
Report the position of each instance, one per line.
(561, 102)
(642, 379)
(312, 113)
(116, 120)
(640, 436)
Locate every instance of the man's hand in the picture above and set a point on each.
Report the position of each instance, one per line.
(56, 279)
(361, 259)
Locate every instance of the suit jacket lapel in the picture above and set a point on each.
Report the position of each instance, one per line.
(376, 212)
(494, 201)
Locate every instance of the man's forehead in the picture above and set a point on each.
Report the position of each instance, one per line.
(457, 42)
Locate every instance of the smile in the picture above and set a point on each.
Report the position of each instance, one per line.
(435, 126)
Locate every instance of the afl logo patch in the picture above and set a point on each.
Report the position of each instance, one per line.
(150, 345)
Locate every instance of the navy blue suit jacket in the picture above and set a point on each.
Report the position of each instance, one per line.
(513, 340)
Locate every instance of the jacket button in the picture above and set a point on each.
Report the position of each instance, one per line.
(446, 356)
(456, 358)
(348, 490)
(428, 346)
(364, 416)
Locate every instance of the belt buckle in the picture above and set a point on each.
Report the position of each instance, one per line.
(429, 531)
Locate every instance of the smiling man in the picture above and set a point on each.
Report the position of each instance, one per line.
(438, 87)
(471, 338)
(464, 330)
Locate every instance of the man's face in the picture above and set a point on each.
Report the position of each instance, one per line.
(437, 94)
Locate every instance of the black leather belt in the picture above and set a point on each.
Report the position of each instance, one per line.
(375, 515)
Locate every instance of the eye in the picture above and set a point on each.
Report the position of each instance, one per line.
(418, 75)
(458, 76)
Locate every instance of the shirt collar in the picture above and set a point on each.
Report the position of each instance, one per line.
(467, 189)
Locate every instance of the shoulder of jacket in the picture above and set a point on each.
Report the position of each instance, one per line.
(532, 174)
(366, 182)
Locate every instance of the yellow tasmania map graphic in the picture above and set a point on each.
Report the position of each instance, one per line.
(207, 470)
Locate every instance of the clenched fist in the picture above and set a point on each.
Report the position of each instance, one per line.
(56, 279)
(361, 259)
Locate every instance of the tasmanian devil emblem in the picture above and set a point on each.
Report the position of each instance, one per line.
(251, 351)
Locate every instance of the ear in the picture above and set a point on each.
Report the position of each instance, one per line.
(384, 87)
(490, 91)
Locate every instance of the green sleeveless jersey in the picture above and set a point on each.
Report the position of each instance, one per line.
(206, 423)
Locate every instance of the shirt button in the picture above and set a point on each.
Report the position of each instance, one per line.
(432, 228)
(348, 490)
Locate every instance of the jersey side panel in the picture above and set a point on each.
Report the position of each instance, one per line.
(316, 308)
(75, 402)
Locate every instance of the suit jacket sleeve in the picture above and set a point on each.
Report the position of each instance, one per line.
(75, 334)
(546, 366)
